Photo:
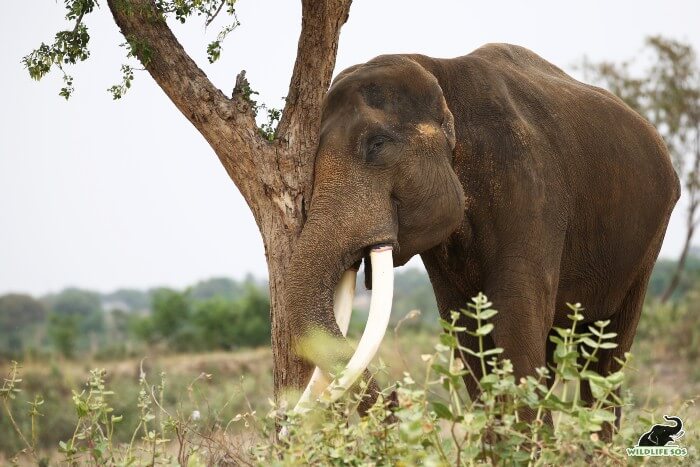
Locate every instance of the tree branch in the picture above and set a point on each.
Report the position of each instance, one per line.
(228, 125)
(313, 69)
(187, 86)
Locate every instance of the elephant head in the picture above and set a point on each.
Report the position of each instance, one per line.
(661, 435)
(384, 190)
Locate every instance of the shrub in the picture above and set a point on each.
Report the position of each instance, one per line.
(183, 324)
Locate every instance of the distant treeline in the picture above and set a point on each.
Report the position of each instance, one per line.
(216, 314)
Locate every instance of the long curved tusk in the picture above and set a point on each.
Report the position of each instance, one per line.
(377, 321)
(342, 309)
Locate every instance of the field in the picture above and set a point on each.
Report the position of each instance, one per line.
(206, 392)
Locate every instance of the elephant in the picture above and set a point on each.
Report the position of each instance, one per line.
(507, 176)
(661, 435)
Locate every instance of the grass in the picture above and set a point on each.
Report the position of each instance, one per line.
(216, 404)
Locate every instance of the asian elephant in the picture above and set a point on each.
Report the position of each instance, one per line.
(506, 176)
(661, 435)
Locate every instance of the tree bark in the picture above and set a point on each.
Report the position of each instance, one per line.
(274, 177)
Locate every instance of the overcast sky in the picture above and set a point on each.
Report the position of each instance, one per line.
(101, 194)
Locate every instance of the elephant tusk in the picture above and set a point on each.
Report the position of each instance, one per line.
(342, 309)
(377, 321)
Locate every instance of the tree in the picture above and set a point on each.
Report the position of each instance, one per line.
(170, 322)
(19, 311)
(19, 315)
(272, 170)
(63, 333)
(83, 307)
(222, 287)
(667, 93)
(227, 324)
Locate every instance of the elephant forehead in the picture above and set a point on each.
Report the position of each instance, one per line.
(400, 91)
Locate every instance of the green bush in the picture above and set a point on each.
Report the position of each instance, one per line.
(183, 324)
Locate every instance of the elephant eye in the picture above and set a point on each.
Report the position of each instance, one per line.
(374, 147)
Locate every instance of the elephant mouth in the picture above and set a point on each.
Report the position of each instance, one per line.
(379, 266)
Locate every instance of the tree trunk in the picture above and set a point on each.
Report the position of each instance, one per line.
(275, 178)
(680, 267)
(692, 187)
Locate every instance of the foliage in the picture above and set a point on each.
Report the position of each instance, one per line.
(119, 324)
(74, 319)
(20, 317)
(452, 430)
(122, 323)
(63, 333)
(82, 305)
(433, 423)
(673, 328)
(663, 272)
(268, 128)
(228, 325)
(216, 323)
(219, 287)
(127, 299)
(70, 46)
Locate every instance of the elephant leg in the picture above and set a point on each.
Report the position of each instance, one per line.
(451, 296)
(624, 323)
(526, 312)
(524, 345)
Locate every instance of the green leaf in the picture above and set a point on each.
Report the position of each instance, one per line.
(615, 378)
(485, 329)
(602, 415)
(442, 411)
(569, 372)
(590, 343)
(488, 314)
(448, 339)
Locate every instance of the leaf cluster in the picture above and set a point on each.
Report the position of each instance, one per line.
(70, 46)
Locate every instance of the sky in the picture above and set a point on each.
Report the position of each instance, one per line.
(103, 195)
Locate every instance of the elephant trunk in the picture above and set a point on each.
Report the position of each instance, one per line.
(319, 261)
(677, 421)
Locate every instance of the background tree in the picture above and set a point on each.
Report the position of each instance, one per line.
(667, 93)
(63, 333)
(75, 320)
(171, 312)
(225, 325)
(20, 315)
(271, 169)
(84, 307)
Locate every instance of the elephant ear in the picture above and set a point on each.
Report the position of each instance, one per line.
(448, 125)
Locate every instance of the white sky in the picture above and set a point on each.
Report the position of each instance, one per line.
(102, 194)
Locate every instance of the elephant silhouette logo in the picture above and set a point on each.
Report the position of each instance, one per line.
(661, 440)
(661, 435)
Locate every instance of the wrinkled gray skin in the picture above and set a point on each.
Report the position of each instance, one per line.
(507, 176)
(661, 435)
